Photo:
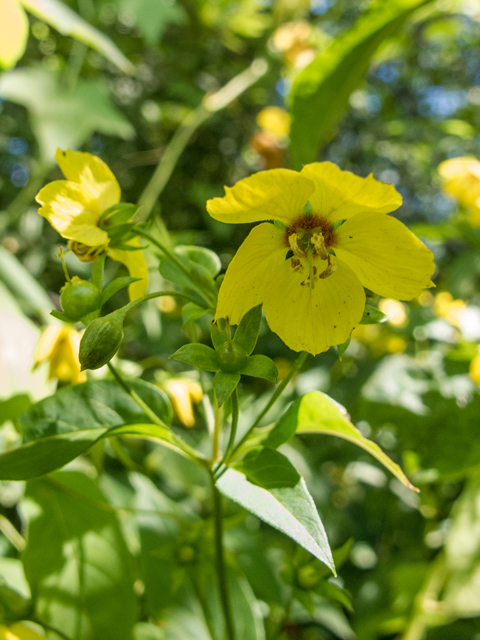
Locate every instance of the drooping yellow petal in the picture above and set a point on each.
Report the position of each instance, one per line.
(385, 255)
(72, 211)
(313, 319)
(92, 174)
(13, 32)
(462, 179)
(339, 195)
(136, 265)
(259, 256)
(277, 194)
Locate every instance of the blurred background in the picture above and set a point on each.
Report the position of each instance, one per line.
(125, 80)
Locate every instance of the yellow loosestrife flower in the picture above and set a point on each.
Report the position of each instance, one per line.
(74, 207)
(310, 270)
(59, 345)
(461, 179)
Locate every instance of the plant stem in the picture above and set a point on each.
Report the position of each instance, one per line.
(49, 627)
(210, 104)
(233, 428)
(220, 560)
(277, 393)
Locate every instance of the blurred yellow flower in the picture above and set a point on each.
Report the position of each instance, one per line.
(184, 394)
(395, 311)
(18, 631)
(74, 208)
(461, 179)
(294, 41)
(13, 32)
(59, 345)
(274, 120)
(446, 307)
(330, 239)
(474, 371)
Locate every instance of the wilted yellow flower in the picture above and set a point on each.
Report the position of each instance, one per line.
(330, 239)
(74, 208)
(18, 631)
(462, 180)
(59, 345)
(184, 394)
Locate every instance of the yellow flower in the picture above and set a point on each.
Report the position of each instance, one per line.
(18, 631)
(183, 393)
(461, 178)
(74, 207)
(309, 269)
(274, 120)
(59, 345)
(474, 371)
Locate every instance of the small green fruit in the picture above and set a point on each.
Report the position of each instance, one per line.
(232, 357)
(79, 298)
(101, 340)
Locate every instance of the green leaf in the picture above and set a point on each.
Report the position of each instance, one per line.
(13, 607)
(260, 366)
(116, 285)
(219, 337)
(290, 509)
(13, 33)
(92, 405)
(12, 408)
(224, 385)
(76, 560)
(152, 17)
(202, 257)
(372, 315)
(315, 412)
(67, 22)
(343, 347)
(319, 95)
(248, 329)
(268, 468)
(197, 355)
(192, 311)
(59, 118)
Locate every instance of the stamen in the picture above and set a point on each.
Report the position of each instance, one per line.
(332, 267)
(318, 242)
(311, 269)
(295, 246)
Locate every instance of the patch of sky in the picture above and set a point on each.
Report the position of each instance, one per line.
(439, 102)
(387, 73)
(319, 7)
(19, 174)
(17, 146)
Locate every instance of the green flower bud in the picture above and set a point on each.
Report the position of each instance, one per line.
(101, 340)
(307, 577)
(79, 298)
(232, 357)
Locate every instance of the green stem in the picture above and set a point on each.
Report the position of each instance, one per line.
(233, 428)
(183, 446)
(277, 393)
(49, 627)
(171, 256)
(220, 560)
(210, 104)
(217, 430)
(158, 294)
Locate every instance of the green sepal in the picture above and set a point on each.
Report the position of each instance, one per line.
(372, 315)
(260, 366)
(117, 214)
(197, 355)
(278, 224)
(60, 315)
(269, 469)
(122, 232)
(219, 335)
(116, 285)
(343, 347)
(97, 271)
(248, 329)
(224, 384)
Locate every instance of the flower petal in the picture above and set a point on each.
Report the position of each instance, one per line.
(313, 319)
(72, 211)
(243, 283)
(277, 194)
(385, 255)
(462, 179)
(92, 174)
(136, 265)
(339, 195)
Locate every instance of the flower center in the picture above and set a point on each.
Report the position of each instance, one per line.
(84, 252)
(309, 237)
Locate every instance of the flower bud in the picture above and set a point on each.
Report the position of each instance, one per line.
(101, 340)
(232, 356)
(79, 298)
